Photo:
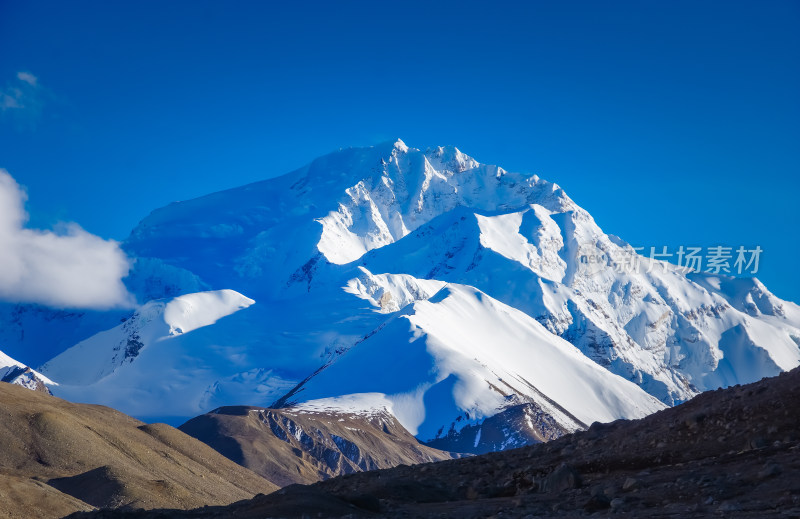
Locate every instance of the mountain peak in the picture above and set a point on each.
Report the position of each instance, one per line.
(400, 146)
(15, 372)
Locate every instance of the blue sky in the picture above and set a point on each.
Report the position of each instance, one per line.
(673, 123)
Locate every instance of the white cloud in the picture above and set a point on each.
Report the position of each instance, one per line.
(73, 269)
(27, 77)
(22, 100)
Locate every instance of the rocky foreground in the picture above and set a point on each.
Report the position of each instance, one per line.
(726, 453)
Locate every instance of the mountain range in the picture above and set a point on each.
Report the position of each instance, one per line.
(422, 286)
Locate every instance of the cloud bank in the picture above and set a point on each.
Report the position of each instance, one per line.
(73, 269)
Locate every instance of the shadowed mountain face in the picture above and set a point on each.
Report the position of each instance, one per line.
(290, 446)
(57, 457)
(732, 453)
(517, 426)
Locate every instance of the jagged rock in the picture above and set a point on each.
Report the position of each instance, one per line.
(562, 478)
(630, 484)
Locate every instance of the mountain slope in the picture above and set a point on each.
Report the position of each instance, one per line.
(170, 354)
(297, 445)
(103, 353)
(59, 457)
(461, 356)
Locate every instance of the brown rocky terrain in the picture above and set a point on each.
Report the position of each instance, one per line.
(286, 446)
(57, 457)
(725, 453)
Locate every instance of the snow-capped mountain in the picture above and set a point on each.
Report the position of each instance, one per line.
(674, 335)
(422, 282)
(462, 354)
(14, 372)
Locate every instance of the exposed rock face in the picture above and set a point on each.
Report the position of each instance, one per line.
(517, 426)
(58, 457)
(25, 377)
(289, 446)
(17, 373)
(728, 453)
